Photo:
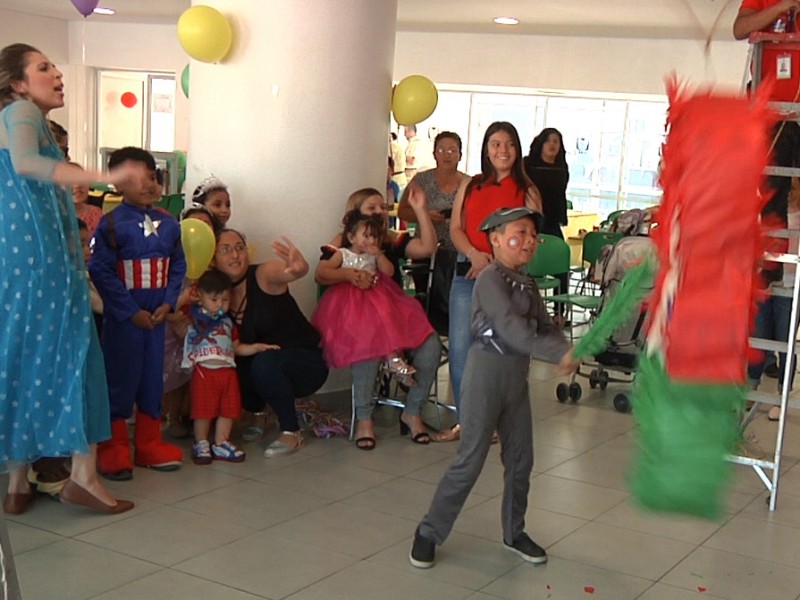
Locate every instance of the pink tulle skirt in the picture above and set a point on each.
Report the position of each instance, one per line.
(358, 324)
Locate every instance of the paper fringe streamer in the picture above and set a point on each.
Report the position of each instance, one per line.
(685, 431)
(635, 285)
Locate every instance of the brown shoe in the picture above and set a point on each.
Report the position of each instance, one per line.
(75, 494)
(16, 504)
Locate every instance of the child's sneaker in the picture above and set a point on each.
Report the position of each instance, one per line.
(423, 552)
(527, 549)
(227, 452)
(201, 453)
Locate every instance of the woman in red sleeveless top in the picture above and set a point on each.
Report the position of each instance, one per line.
(502, 183)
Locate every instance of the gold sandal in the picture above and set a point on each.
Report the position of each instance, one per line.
(402, 371)
(279, 448)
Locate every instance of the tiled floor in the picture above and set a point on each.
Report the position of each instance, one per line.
(335, 522)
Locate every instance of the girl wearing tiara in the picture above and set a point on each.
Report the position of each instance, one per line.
(213, 194)
(359, 323)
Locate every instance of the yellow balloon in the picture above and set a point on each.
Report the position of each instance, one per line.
(414, 99)
(199, 245)
(204, 33)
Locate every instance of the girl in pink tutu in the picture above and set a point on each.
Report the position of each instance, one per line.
(357, 322)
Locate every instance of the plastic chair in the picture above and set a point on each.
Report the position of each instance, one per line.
(551, 258)
(610, 220)
(593, 244)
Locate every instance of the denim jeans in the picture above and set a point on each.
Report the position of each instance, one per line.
(460, 335)
(772, 322)
(277, 377)
(425, 359)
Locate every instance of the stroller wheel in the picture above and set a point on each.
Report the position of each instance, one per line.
(602, 380)
(562, 392)
(621, 403)
(575, 391)
(593, 379)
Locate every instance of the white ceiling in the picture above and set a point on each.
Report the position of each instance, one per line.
(693, 19)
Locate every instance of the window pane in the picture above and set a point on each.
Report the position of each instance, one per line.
(162, 114)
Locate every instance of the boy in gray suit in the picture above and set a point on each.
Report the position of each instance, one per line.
(510, 324)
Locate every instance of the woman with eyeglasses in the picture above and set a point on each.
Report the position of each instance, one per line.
(502, 183)
(265, 312)
(439, 185)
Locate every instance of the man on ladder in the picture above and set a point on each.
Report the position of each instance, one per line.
(761, 15)
(778, 55)
(779, 59)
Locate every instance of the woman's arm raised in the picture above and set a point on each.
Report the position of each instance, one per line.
(274, 275)
(423, 245)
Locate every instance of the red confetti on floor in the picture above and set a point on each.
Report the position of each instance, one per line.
(588, 589)
(702, 588)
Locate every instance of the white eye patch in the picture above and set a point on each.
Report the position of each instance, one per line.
(514, 241)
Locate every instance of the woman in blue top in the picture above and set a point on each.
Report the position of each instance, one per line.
(53, 396)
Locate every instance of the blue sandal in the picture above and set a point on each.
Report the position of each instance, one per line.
(227, 452)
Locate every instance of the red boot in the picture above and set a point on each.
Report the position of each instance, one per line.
(114, 455)
(149, 449)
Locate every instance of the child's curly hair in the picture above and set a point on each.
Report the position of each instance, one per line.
(373, 225)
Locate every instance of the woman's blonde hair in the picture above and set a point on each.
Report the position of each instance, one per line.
(358, 198)
(13, 61)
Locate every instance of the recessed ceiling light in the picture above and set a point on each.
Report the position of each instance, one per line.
(104, 11)
(506, 21)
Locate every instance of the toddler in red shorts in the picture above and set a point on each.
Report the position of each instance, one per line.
(209, 350)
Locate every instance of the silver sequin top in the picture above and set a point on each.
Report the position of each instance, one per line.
(364, 262)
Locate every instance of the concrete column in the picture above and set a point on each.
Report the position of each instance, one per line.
(295, 118)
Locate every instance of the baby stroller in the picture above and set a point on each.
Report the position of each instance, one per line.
(624, 345)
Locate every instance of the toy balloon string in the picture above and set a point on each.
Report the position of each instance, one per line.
(707, 35)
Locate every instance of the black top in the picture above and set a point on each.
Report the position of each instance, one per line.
(274, 319)
(551, 181)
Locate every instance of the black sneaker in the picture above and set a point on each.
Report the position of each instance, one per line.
(423, 552)
(527, 549)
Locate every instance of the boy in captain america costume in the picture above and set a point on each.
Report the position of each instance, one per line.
(137, 266)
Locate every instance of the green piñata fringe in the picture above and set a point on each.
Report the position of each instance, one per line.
(685, 430)
(632, 289)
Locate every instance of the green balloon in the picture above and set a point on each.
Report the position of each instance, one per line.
(185, 80)
(181, 168)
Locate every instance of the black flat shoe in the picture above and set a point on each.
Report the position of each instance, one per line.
(366, 443)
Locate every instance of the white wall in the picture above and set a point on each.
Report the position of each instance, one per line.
(51, 36)
(566, 63)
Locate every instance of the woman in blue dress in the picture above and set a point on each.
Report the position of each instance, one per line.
(53, 394)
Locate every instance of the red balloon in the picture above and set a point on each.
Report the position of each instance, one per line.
(128, 99)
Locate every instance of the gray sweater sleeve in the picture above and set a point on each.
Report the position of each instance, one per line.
(22, 130)
(530, 332)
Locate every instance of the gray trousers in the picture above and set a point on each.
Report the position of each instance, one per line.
(495, 395)
(425, 359)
